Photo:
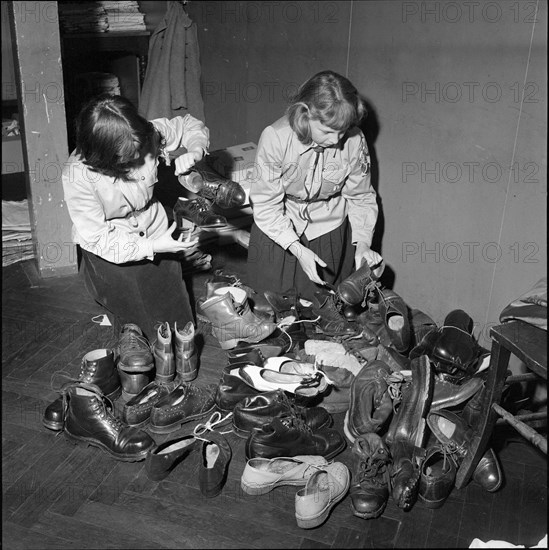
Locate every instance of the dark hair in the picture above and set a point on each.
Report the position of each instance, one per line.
(329, 98)
(111, 136)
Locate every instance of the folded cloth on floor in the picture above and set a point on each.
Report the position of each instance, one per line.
(332, 354)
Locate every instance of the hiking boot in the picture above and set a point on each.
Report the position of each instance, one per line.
(98, 368)
(134, 350)
(164, 358)
(186, 356)
(405, 471)
(354, 289)
(370, 403)
(89, 420)
(370, 488)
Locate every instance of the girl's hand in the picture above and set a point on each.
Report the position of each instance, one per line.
(365, 253)
(308, 260)
(183, 163)
(166, 243)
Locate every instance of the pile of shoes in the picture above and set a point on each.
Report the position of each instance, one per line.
(407, 391)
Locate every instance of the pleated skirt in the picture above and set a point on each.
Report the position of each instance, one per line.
(270, 267)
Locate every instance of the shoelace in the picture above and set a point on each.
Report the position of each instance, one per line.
(131, 338)
(201, 204)
(215, 419)
(395, 381)
(371, 468)
(296, 422)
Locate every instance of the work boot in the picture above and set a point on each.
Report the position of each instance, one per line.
(215, 187)
(354, 289)
(164, 358)
(97, 367)
(89, 420)
(405, 472)
(186, 356)
(134, 350)
(134, 382)
(199, 211)
(229, 325)
(332, 321)
(370, 405)
(370, 487)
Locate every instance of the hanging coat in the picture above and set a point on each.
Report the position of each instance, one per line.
(172, 80)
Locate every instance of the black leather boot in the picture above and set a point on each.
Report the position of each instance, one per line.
(332, 322)
(97, 368)
(89, 420)
(186, 356)
(164, 358)
(405, 472)
(134, 350)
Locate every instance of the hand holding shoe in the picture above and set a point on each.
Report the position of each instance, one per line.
(166, 243)
(364, 253)
(185, 162)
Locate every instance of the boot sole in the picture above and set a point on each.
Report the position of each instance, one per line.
(176, 425)
(77, 440)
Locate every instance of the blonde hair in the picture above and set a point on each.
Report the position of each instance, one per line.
(329, 98)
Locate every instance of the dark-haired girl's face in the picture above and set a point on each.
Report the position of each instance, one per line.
(324, 135)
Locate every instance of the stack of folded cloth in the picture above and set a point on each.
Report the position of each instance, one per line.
(76, 17)
(17, 242)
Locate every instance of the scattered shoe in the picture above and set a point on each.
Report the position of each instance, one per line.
(324, 489)
(98, 368)
(370, 488)
(438, 475)
(186, 355)
(231, 389)
(405, 471)
(354, 289)
(199, 211)
(164, 358)
(215, 455)
(89, 420)
(163, 458)
(328, 308)
(394, 313)
(134, 350)
(187, 402)
(262, 475)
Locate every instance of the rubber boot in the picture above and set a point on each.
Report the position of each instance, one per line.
(229, 326)
(186, 357)
(89, 420)
(97, 367)
(164, 358)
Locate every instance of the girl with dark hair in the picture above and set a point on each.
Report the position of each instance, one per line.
(130, 260)
(313, 204)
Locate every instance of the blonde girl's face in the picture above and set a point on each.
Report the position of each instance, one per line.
(324, 135)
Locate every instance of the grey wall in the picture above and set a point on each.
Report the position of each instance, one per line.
(457, 127)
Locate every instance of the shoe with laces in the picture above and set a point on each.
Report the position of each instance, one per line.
(262, 475)
(324, 489)
(89, 420)
(329, 308)
(164, 358)
(354, 289)
(187, 402)
(256, 411)
(438, 474)
(186, 355)
(290, 436)
(134, 350)
(98, 368)
(199, 211)
(370, 488)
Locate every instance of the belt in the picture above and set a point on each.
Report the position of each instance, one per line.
(298, 200)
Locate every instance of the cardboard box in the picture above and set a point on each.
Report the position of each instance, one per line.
(237, 163)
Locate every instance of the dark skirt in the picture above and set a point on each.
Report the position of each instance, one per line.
(144, 293)
(270, 267)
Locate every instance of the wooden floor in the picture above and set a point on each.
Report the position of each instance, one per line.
(57, 495)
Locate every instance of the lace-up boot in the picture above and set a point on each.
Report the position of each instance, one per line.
(232, 320)
(370, 488)
(224, 192)
(290, 436)
(199, 211)
(438, 474)
(329, 308)
(186, 356)
(354, 289)
(134, 350)
(89, 420)
(370, 403)
(256, 411)
(164, 358)
(97, 367)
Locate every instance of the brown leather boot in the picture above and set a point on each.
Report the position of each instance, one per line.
(230, 326)
(186, 357)
(97, 368)
(164, 358)
(89, 420)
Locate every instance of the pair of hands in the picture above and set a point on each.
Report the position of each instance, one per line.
(166, 243)
(309, 260)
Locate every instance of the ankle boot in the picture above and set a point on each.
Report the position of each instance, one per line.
(134, 350)
(370, 489)
(394, 314)
(332, 321)
(186, 357)
(405, 471)
(354, 289)
(88, 420)
(97, 368)
(215, 187)
(164, 359)
(229, 326)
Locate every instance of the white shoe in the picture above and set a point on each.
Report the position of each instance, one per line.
(262, 475)
(324, 489)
